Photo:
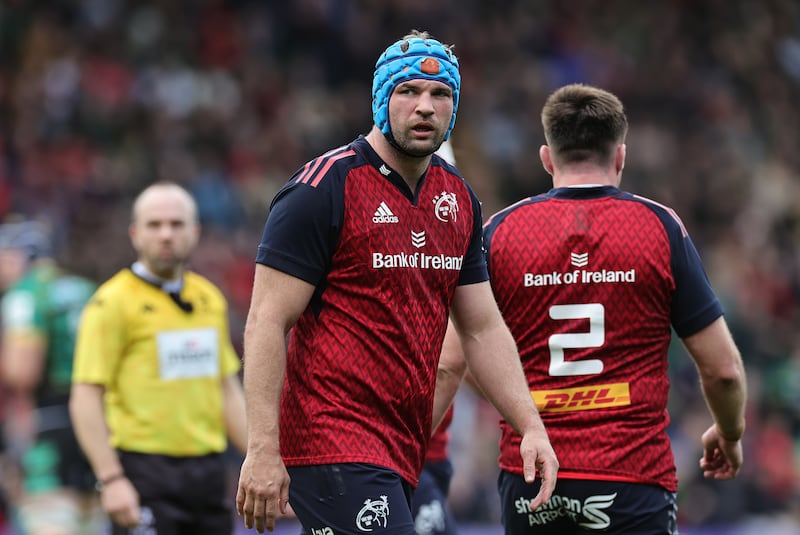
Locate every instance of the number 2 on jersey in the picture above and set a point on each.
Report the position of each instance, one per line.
(595, 313)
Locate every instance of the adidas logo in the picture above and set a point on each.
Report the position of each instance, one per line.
(384, 215)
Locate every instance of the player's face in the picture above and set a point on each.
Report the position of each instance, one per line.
(419, 115)
(164, 231)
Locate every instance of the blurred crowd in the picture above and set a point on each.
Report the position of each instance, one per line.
(99, 98)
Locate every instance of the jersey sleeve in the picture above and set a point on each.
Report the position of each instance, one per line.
(301, 231)
(100, 341)
(474, 268)
(694, 303)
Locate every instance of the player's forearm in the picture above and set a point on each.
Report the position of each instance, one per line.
(496, 369)
(264, 372)
(88, 421)
(446, 387)
(235, 412)
(722, 376)
(449, 375)
(726, 398)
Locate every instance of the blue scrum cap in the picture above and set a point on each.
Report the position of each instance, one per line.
(411, 59)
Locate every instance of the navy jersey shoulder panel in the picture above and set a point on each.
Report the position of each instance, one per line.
(475, 268)
(306, 217)
(694, 303)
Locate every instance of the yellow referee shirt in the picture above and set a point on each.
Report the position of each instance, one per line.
(162, 367)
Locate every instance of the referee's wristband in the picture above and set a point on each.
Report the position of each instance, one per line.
(103, 483)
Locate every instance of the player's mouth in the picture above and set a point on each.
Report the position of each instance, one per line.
(421, 130)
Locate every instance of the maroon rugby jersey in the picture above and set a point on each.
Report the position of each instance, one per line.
(362, 358)
(590, 281)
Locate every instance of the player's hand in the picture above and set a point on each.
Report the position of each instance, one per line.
(120, 501)
(722, 458)
(263, 493)
(538, 454)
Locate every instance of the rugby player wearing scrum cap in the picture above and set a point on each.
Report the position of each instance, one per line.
(366, 251)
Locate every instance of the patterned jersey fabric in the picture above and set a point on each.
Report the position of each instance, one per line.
(590, 282)
(385, 261)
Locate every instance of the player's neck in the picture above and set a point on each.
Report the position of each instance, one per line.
(587, 177)
(408, 167)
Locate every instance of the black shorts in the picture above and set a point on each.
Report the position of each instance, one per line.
(580, 507)
(179, 495)
(350, 498)
(429, 504)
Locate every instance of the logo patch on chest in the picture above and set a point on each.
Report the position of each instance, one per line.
(188, 354)
(383, 214)
(446, 207)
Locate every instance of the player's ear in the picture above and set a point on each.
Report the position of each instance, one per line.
(619, 159)
(547, 158)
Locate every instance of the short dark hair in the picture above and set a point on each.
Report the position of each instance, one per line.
(583, 123)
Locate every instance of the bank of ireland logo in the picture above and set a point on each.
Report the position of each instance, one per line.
(374, 514)
(446, 207)
(579, 259)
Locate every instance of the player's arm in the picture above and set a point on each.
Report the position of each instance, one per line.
(723, 381)
(698, 320)
(494, 362)
(234, 411)
(451, 370)
(23, 356)
(278, 300)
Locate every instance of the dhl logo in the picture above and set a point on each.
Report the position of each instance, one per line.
(583, 398)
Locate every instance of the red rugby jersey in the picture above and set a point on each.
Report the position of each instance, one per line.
(590, 282)
(362, 358)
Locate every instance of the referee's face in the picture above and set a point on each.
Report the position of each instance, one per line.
(165, 231)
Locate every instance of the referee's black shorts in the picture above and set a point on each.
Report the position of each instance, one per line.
(179, 495)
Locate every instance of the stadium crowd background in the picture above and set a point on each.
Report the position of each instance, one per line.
(99, 98)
